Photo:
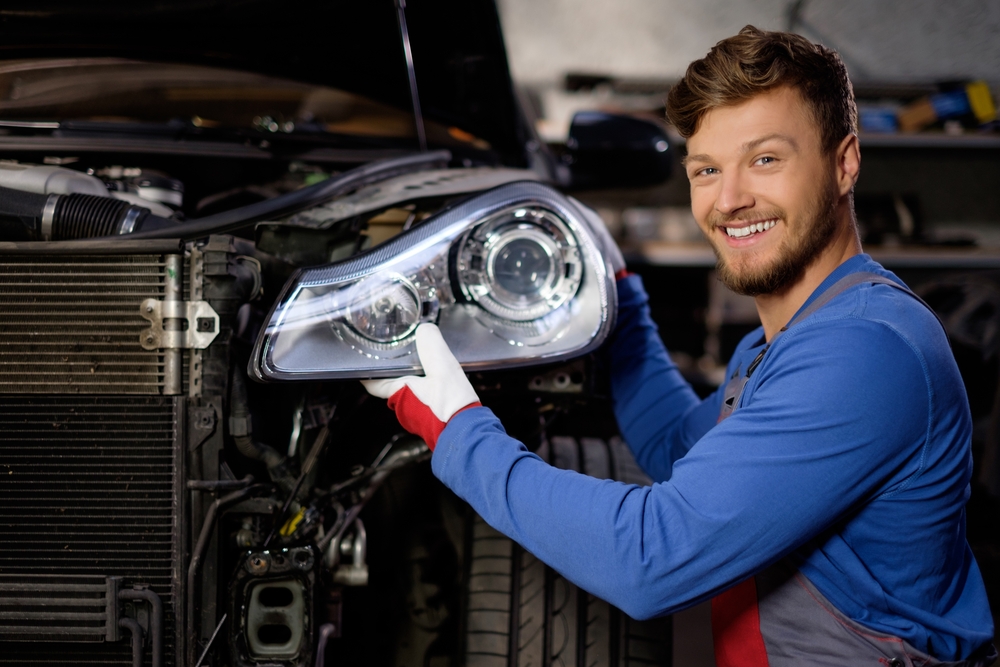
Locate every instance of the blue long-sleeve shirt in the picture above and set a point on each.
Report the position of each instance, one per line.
(850, 453)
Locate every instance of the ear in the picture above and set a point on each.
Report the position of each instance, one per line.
(847, 164)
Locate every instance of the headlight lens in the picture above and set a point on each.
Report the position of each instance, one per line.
(521, 264)
(512, 277)
(384, 311)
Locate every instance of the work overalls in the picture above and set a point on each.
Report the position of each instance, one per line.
(778, 618)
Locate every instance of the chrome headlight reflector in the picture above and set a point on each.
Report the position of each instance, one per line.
(520, 264)
(383, 310)
(512, 277)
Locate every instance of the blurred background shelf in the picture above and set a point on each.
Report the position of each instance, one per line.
(930, 140)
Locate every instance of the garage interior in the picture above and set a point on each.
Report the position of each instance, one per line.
(927, 200)
(162, 509)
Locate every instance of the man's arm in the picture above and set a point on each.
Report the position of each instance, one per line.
(656, 409)
(658, 413)
(838, 421)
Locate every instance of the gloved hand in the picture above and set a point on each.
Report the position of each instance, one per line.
(611, 251)
(424, 405)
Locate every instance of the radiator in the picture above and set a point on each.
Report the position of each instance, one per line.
(91, 456)
(71, 324)
(88, 488)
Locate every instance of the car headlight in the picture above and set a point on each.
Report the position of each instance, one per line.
(512, 277)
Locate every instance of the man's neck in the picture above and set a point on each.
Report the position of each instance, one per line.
(777, 308)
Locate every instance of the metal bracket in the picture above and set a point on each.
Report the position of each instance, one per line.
(201, 425)
(566, 379)
(196, 292)
(202, 324)
(354, 573)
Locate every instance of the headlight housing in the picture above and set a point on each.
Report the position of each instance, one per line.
(512, 277)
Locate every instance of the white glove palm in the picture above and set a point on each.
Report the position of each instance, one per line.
(425, 404)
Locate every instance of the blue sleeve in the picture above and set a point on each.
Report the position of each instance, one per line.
(658, 413)
(837, 418)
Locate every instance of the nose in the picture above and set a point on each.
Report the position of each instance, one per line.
(733, 195)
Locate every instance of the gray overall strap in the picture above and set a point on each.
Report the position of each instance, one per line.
(850, 280)
(734, 389)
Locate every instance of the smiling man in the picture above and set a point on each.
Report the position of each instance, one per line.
(772, 173)
(819, 497)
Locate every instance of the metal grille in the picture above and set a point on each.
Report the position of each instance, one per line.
(88, 487)
(71, 324)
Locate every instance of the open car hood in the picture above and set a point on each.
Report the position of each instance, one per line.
(352, 45)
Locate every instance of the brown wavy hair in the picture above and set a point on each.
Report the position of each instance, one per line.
(755, 61)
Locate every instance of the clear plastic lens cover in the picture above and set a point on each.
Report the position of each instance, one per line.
(512, 277)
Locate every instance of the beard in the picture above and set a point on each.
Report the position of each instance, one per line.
(746, 276)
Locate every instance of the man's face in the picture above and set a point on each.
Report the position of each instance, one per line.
(762, 190)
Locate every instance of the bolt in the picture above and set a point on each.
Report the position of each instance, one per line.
(149, 308)
(258, 564)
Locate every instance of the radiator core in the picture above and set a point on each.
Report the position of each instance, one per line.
(91, 452)
(71, 324)
(88, 487)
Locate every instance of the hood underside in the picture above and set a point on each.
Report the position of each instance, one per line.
(351, 45)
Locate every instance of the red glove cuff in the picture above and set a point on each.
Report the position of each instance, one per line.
(419, 419)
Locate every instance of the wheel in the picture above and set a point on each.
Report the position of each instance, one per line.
(521, 613)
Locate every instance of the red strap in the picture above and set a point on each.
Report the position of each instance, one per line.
(736, 627)
(417, 418)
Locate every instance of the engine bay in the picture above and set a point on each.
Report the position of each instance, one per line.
(284, 522)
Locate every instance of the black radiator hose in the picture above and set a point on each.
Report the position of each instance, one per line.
(79, 216)
(242, 433)
(20, 204)
(26, 216)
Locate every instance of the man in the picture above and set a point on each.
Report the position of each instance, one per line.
(819, 497)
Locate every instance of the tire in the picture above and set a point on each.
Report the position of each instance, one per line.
(521, 613)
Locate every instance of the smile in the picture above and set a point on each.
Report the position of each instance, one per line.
(756, 228)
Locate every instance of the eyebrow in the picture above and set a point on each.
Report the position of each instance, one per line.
(747, 147)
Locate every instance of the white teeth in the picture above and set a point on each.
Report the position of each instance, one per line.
(740, 232)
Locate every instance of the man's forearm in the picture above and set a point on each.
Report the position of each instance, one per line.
(596, 533)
